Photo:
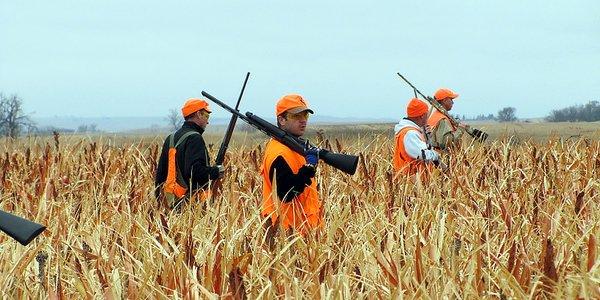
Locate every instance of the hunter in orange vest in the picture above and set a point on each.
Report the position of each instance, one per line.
(290, 196)
(183, 171)
(411, 151)
(443, 133)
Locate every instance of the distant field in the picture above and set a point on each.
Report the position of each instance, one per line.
(521, 131)
(536, 132)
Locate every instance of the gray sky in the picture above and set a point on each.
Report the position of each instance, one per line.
(126, 58)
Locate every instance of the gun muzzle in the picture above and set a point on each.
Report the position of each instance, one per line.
(22, 230)
(343, 162)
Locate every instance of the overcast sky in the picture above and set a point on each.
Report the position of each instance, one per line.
(142, 58)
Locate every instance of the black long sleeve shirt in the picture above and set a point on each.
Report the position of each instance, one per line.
(289, 184)
(192, 159)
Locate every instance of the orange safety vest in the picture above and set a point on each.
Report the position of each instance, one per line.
(175, 187)
(304, 211)
(402, 161)
(435, 118)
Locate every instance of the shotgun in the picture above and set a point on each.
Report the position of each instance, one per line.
(343, 162)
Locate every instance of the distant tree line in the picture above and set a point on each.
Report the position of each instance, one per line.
(506, 114)
(589, 112)
(49, 130)
(84, 128)
(481, 117)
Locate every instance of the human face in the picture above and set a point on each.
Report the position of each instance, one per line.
(202, 117)
(294, 123)
(447, 103)
(421, 121)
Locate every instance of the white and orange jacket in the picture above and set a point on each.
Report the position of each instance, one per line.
(411, 148)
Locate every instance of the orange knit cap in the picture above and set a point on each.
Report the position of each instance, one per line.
(442, 94)
(416, 108)
(193, 105)
(292, 103)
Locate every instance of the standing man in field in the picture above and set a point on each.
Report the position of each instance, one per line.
(444, 134)
(184, 170)
(290, 197)
(412, 154)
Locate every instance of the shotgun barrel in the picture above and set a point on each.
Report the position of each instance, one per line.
(225, 143)
(22, 230)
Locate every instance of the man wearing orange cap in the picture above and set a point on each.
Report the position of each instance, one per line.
(411, 152)
(290, 196)
(184, 165)
(444, 134)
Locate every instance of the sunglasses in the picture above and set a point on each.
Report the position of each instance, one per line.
(204, 113)
(299, 116)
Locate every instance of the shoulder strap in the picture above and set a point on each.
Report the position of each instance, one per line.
(184, 137)
(171, 139)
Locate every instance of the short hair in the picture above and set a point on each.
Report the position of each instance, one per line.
(190, 116)
(283, 115)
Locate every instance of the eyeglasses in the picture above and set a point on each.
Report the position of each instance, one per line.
(204, 113)
(303, 115)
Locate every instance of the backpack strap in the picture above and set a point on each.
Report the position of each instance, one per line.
(179, 142)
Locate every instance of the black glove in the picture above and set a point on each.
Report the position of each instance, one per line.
(480, 135)
(216, 172)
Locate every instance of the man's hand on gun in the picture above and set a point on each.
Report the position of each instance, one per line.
(476, 133)
(311, 154)
(221, 170)
(480, 135)
(433, 157)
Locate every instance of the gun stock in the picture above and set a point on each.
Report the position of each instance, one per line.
(22, 230)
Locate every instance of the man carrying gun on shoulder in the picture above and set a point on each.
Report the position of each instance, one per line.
(443, 133)
(290, 196)
(412, 154)
(183, 171)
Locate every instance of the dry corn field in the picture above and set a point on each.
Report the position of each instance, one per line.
(509, 220)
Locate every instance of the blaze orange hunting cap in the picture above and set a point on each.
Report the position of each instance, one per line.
(443, 93)
(193, 105)
(292, 103)
(416, 108)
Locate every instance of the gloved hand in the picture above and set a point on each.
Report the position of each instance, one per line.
(311, 154)
(482, 136)
(429, 156)
(221, 170)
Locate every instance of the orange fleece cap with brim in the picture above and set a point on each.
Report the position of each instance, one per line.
(443, 93)
(292, 103)
(193, 105)
(416, 108)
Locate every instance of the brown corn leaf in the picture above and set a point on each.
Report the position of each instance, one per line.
(591, 247)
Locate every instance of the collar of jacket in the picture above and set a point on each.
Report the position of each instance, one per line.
(192, 126)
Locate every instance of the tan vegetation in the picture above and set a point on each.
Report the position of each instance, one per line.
(513, 218)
